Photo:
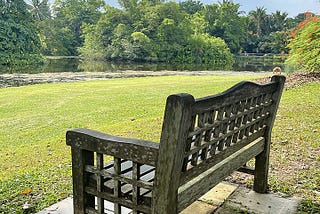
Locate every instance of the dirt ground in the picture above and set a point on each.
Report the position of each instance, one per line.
(297, 79)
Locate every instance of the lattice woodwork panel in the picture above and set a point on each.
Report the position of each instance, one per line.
(119, 186)
(215, 130)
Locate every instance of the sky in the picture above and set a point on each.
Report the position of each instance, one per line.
(292, 7)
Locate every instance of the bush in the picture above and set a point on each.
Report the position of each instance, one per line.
(19, 45)
(205, 49)
(304, 45)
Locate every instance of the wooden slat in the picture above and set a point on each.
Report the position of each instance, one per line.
(262, 160)
(136, 190)
(100, 201)
(145, 182)
(235, 94)
(145, 207)
(174, 135)
(246, 169)
(117, 185)
(81, 158)
(140, 151)
(210, 162)
(236, 117)
(198, 186)
(228, 134)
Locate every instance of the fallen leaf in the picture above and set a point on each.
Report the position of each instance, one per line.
(27, 191)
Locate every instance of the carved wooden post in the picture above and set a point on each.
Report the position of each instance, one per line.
(171, 153)
(80, 158)
(262, 160)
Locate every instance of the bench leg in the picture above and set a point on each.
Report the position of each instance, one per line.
(261, 172)
(81, 199)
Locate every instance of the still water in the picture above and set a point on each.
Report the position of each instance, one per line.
(56, 65)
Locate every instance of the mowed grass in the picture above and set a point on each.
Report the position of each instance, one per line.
(35, 163)
(295, 154)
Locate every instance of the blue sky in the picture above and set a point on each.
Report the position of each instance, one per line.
(292, 7)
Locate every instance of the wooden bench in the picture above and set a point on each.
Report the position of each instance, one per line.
(202, 142)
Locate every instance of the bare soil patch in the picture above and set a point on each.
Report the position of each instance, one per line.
(296, 79)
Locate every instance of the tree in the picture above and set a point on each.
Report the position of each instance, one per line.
(304, 45)
(260, 28)
(100, 38)
(275, 43)
(208, 50)
(43, 21)
(172, 33)
(258, 22)
(69, 15)
(211, 13)
(19, 43)
(39, 9)
(162, 32)
(191, 6)
(225, 21)
(142, 46)
(279, 21)
(198, 23)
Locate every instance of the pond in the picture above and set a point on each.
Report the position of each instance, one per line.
(66, 69)
(74, 64)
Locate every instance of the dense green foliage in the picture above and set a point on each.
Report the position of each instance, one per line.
(19, 43)
(146, 30)
(267, 33)
(156, 31)
(226, 21)
(69, 16)
(304, 45)
(162, 32)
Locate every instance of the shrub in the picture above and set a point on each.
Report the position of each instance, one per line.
(205, 49)
(304, 45)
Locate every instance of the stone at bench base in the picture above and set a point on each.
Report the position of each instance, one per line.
(244, 199)
(224, 198)
(62, 207)
(206, 204)
(212, 200)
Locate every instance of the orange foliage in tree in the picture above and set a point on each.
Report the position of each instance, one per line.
(304, 43)
(301, 25)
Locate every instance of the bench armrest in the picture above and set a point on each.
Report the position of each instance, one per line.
(140, 151)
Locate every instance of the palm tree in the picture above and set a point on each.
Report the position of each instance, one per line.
(279, 21)
(258, 20)
(39, 9)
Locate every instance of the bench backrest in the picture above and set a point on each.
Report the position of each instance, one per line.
(197, 134)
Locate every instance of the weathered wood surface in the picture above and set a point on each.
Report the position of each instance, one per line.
(198, 186)
(202, 142)
(262, 160)
(126, 148)
(176, 123)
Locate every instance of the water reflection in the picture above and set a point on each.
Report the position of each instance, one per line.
(57, 65)
(105, 66)
(258, 63)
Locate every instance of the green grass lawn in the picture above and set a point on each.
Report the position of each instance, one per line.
(35, 163)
